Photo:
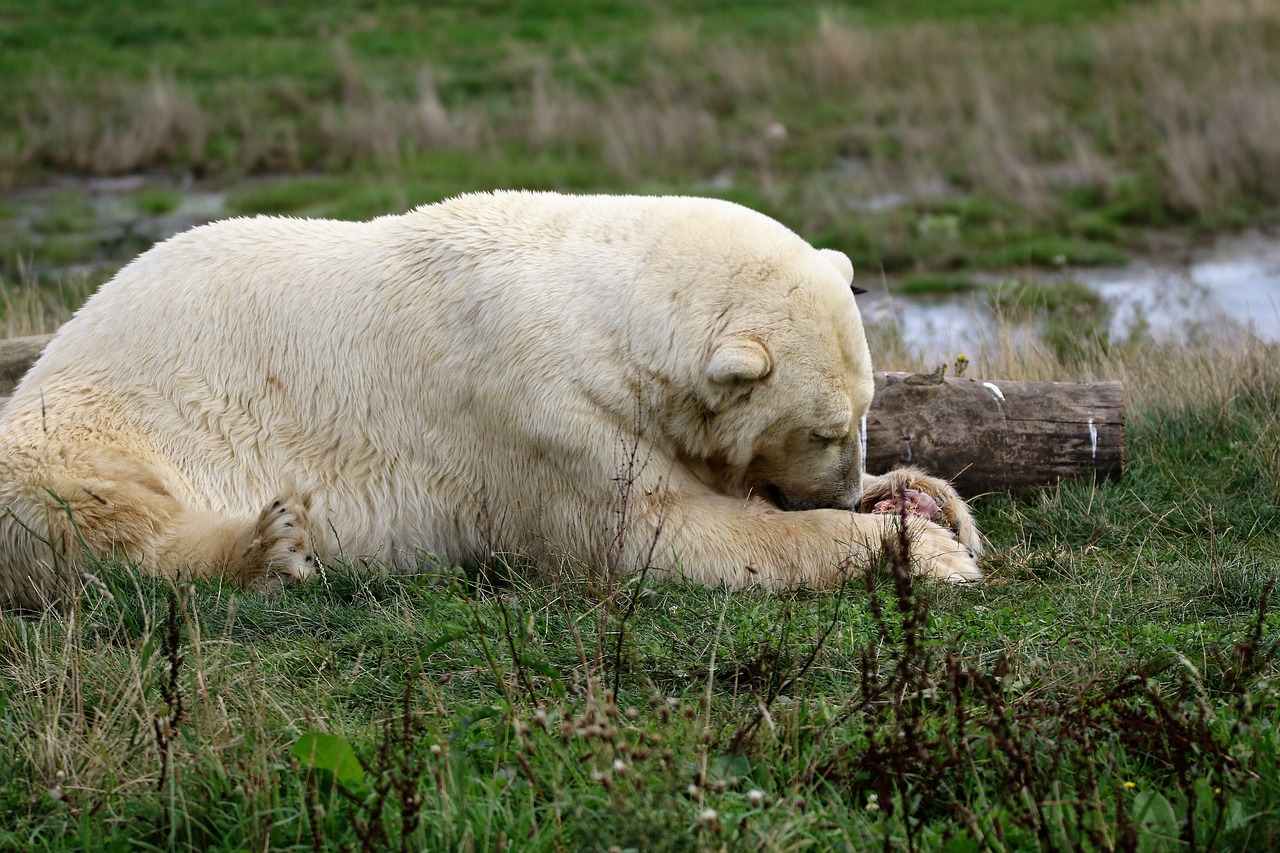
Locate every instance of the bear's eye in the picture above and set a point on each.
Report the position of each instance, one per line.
(824, 438)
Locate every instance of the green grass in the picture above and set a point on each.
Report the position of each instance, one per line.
(291, 38)
(1051, 252)
(937, 285)
(157, 201)
(67, 213)
(296, 196)
(1114, 679)
(1039, 133)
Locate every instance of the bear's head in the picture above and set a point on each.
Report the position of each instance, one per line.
(787, 382)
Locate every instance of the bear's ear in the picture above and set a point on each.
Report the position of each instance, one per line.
(840, 261)
(843, 265)
(739, 359)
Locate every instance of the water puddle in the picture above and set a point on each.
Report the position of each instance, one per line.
(1234, 284)
(1231, 287)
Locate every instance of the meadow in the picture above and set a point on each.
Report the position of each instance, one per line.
(917, 136)
(1113, 685)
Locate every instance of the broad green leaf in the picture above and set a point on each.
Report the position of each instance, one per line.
(333, 759)
(730, 768)
(1153, 811)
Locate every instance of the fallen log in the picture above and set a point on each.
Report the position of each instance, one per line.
(16, 357)
(983, 436)
(996, 436)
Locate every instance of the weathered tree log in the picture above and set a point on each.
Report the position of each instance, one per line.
(996, 436)
(16, 357)
(983, 436)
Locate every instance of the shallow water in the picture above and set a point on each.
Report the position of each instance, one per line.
(1236, 283)
(1231, 287)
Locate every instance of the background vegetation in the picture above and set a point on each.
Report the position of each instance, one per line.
(914, 135)
(1112, 686)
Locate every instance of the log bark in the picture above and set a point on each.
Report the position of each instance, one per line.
(983, 436)
(16, 357)
(996, 436)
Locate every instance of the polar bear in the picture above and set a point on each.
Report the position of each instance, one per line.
(669, 382)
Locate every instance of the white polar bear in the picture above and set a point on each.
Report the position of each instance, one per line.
(257, 395)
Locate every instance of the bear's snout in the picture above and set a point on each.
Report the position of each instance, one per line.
(798, 502)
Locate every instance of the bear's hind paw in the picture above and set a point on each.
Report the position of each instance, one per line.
(281, 552)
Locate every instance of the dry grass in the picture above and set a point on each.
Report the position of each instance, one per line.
(109, 714)
(30, 308)
(112, 128)
(1193, 87)
(1187, 93)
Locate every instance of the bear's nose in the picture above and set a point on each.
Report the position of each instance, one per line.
(799, 503)
(777, 497)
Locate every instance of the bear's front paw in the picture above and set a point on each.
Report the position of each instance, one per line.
(952, 511)
(936, 553)
(932, 550)
(280, 552)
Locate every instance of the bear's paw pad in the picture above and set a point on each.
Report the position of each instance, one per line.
(910, 502)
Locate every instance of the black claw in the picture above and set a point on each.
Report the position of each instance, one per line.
(293, 550)
(288, 524)
(276, 504)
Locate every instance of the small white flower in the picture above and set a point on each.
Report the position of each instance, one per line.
(56, 791)
(755, 797)
(873, 803)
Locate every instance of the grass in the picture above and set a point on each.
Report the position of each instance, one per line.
(1112, 686)
(157, 201)
(35, 307)
(938, 285)
(1035, 134)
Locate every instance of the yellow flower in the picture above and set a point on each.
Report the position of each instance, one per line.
(1131, 784)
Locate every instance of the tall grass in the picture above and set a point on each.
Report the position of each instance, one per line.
(1112, 686)
(1167, 111)
(36, 307)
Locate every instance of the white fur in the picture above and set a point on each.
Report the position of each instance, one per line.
(468, 377)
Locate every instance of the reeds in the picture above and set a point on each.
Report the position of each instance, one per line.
(30, 307)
